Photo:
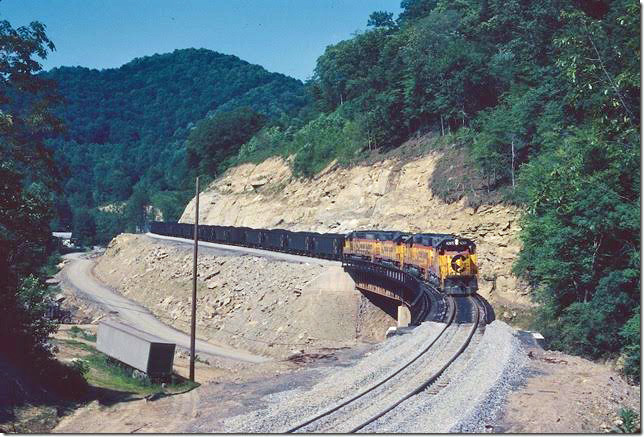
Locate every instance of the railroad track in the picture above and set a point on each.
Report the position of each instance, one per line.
(466, 316)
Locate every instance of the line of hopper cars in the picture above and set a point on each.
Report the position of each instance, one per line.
(446, 261)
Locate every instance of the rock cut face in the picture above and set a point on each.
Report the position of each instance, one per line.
(389, 195)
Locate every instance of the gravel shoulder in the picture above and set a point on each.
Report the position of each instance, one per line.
(566, 394)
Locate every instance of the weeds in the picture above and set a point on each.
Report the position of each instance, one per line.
(630, 421)
(99, 370)
(77, 332)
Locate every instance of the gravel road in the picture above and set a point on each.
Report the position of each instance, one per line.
(77, 273)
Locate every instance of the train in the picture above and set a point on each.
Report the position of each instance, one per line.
(446, 261)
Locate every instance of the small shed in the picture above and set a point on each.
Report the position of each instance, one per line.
(138, 349)
(65, 238)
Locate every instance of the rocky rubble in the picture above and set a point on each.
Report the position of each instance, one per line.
(264, 306)
(385, 195)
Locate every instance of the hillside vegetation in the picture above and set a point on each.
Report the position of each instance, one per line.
(126, 129)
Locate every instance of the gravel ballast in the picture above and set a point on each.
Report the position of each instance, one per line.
(478, 383)
(470, 393)
(289, 408)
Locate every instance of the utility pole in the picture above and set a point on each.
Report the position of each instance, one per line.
(193, 323)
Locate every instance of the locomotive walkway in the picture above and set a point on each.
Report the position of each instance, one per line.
(78, 275)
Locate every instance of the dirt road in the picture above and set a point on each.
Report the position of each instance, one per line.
(78, 275)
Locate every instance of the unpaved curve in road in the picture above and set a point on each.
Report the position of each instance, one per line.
(78, 274)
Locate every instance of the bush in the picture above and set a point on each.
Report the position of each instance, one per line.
(326, 138)
(630, 333)
(630, 421)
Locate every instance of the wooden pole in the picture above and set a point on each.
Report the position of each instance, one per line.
(193, 322)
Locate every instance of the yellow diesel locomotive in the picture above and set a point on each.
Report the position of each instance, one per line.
(446, 261)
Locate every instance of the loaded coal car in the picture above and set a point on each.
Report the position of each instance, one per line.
(327, 245)
(159, 228)
(300, 242)
(236, 235)
(276, 239)
(184, 230)
(203, 231)
(254, 237)
(213, 234)
(221, 234)
(210, 235)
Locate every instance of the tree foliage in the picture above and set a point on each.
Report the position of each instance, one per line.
(138, 125)
(214, 139)
(27, 183)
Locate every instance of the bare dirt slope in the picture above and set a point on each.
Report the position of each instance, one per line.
(269, 307)
(567, 394)
(388, 194)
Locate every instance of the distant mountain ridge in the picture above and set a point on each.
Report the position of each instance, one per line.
(149, 98)
(126, 128)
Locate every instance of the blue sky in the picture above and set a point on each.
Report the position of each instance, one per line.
(285, 36)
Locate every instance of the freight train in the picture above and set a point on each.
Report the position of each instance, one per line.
(447, 262)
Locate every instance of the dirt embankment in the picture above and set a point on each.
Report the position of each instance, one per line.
(389, 194)
(270, 307)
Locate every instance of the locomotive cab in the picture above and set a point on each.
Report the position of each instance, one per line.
(458, 267)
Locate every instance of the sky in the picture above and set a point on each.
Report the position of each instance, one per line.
(284, 36)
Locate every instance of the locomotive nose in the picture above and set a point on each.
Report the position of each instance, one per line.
(458, 263)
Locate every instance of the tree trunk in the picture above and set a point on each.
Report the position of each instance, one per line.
(442, 127)
(512, 169)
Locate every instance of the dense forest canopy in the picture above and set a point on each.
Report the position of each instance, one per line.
(124, 146)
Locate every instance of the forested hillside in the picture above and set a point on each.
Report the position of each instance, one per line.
(544, 100)
(124, 143)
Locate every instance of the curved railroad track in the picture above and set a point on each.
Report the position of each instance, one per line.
(466, 315)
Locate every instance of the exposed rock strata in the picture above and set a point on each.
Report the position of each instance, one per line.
(265, 306)
(385, 195)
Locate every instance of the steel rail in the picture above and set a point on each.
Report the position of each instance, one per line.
(383, 381)
(435, 376)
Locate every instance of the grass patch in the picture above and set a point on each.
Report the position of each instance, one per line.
(77, 332)
(630, 421)
(99, 370)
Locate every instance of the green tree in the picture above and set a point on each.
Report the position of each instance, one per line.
(382, 19)
(217, 138)
(27, 182)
